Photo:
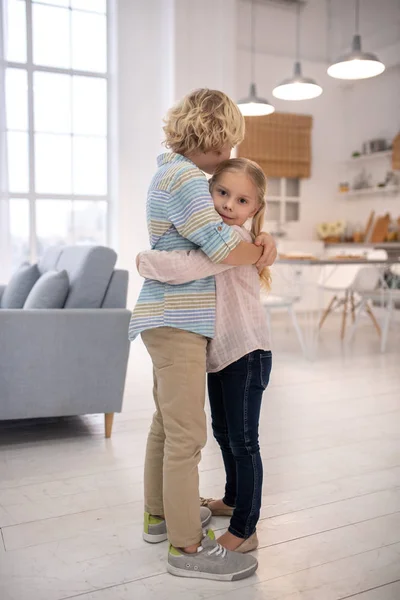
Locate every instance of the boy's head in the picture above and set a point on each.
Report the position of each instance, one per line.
(204, 126)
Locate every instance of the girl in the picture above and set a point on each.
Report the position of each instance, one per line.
(238, 358)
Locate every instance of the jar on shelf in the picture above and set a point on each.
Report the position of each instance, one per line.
(393, 232)
(358, 234)
(348, 234)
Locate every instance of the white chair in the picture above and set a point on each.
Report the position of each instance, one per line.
(338, 280)
(288, 289)
(349, 282)
(369, 292)
(272, 302)
(368, 280)
(393, 297)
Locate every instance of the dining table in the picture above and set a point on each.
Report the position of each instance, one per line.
(302, 277)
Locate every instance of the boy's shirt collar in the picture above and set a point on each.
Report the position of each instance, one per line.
(169, 157)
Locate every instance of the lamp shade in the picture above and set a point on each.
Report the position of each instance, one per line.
(253, 106)
(356, 64)
(297, 87)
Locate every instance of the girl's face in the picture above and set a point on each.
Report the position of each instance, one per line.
(235, 197)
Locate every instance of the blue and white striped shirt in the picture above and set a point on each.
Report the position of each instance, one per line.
(181, 216)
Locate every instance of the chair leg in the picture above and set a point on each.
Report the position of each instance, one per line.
(108, 423)
(327, 311)
(353, 312)
(373, 318)
(356, 320)
(386, 323)
(344, 316)
(297, 328)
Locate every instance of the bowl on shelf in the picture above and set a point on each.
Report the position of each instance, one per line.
(332, 239)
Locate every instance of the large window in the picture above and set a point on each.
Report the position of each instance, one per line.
(56, 115)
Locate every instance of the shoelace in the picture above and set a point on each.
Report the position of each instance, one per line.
(218, 550)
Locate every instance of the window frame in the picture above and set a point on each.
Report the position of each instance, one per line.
(282, 199)
(31, 195)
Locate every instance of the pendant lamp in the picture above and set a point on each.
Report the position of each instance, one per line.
(356, 64)
(253, 106)
(297, 87)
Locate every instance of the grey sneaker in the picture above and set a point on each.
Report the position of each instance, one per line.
(211, 561)
(155, 529)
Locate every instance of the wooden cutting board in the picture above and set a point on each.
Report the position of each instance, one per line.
(396, 153)
(369, 225)
(380, 229)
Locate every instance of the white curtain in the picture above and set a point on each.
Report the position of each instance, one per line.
(5, 241)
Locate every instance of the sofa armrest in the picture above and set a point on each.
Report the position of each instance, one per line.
(62, 362)
(2, 288)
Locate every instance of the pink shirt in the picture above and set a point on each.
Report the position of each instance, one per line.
(240, 322)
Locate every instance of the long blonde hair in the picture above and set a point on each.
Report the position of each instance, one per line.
(257, 176)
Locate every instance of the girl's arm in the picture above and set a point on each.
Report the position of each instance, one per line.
(177, 267)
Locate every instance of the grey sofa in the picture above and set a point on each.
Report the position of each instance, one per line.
(70, 360)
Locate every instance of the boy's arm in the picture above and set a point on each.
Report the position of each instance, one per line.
(269, 252)
(191, 211)
(177, 267)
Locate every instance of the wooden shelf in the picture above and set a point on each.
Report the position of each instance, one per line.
(368, 157)
(375, 191)
(283, 198)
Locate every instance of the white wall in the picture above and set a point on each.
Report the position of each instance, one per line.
(371, 110)
(317, 193)
(344, 116)
(165, 49)
(168, 47)
(145, 72)
(205, 46)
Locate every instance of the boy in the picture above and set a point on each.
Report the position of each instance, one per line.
(175, 323)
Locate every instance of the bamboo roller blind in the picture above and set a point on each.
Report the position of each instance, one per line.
(280, 143)
(396, 153)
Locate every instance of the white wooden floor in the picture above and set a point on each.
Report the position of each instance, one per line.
(71, 502)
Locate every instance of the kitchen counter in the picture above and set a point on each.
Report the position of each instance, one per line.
(392, 248)
(386, 245)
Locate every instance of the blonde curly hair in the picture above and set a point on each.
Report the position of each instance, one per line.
(259, 179)
(203, 120)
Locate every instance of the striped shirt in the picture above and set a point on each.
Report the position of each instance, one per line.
(241, 324)
(181, 216)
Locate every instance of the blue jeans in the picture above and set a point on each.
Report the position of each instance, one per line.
(235, 398)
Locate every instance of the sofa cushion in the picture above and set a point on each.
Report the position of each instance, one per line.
(50, 291)
(117, 290)
(89, 270)
(49, 260)
(19, 286)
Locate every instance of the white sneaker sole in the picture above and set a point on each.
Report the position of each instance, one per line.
(161, 537)
(207, 520)
(214, 576)
(151, 538)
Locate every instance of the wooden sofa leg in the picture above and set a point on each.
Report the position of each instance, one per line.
(108, 423)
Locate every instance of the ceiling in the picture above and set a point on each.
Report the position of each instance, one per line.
(327, 26)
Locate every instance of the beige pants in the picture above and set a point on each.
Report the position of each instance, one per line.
(178, 431)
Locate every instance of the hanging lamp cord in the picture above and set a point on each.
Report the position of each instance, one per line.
(298, 33)
(357, 17)
(253, 46)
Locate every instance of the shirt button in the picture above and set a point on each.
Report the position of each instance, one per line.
(220, 228)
